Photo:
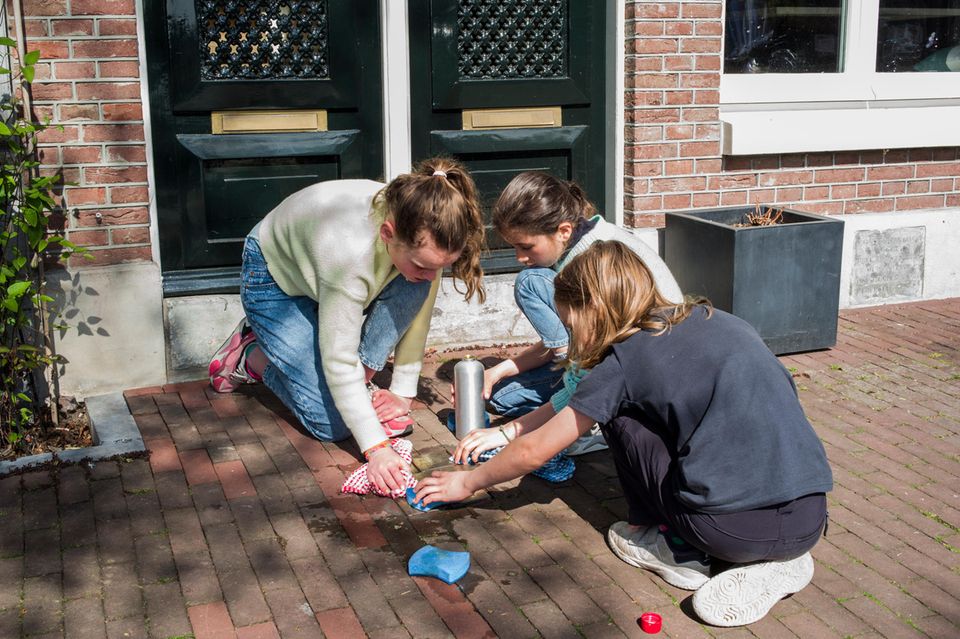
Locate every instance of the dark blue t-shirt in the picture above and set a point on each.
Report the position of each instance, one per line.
(724, 404)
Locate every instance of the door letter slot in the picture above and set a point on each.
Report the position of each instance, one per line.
(539, 117)
(284, 121)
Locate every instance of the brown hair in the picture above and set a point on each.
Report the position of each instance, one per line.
(609, 294)
(536, 203)
(439, 197)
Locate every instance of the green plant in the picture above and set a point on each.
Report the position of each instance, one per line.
(26, 243)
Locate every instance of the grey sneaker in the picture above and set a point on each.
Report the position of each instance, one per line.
(648, 548)
(588, 443)
(747, 592)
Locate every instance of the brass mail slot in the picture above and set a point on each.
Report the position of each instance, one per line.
(268, 121)
(511, 118)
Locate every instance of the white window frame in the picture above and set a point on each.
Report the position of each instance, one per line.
(857, 108)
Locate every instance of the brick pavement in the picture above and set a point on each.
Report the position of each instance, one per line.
(234, 526)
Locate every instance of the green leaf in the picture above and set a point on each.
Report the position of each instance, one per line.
(18, 288)
(28, 74)
(4, 129)
(32, 57)
(8, 42)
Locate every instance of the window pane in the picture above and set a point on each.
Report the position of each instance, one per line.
(918, 35)
(783, 36)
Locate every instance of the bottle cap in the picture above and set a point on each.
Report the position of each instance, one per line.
(650, 622)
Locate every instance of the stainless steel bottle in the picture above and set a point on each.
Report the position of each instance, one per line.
(468, 407)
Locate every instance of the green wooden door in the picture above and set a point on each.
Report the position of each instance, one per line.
(502, 65)
(254, 67)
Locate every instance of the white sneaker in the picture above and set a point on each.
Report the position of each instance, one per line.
(647, 548)
(592, 441)
(746, 593)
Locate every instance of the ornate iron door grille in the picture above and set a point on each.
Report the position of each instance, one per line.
(514, 39)
(263, 39)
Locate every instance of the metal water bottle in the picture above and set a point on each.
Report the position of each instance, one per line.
(468, 407)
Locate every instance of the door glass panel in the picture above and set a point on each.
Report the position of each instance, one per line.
(263, 39)
(783, 36)
(918, 35)
(519, 39)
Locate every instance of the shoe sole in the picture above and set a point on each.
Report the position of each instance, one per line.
(745, 594)
(679, 577)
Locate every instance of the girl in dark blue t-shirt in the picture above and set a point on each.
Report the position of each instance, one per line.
(717, 461)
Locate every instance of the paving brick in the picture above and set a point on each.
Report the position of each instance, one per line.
(186, 534)
(72, 486)
(12, 570)
(122, 596)
(274, 494)
(197, 467)
(458, 613)
(235, 480)
(42, 552)
(293, 534)
(104, 470)
(155, 559)
(266, 630)
(10, 622)
(172, 490)
(256, 459)
(567, 594)
(81, 572)
(498, 610)
(243, 596)
(292, 614)
(115, 542)
(146, 516)
(163, 454)
(37, 479)
(108, 499)
(211, 504)
(128, 628)
(548, 619)
(151, 426)
(270, 565)
(340, 623)
(84, 618)
(41, 596)
(211, 621)
(251, 520)
(166, 610)
(198, 578)
(40, 509)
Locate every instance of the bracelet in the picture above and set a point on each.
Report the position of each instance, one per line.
(384, 444)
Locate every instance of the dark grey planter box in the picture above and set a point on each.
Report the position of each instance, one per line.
(783, 279)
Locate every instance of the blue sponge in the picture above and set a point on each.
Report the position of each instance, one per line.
(446, 565)
(412, 500)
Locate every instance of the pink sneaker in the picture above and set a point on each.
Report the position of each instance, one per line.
(226, 370)
(398, 426)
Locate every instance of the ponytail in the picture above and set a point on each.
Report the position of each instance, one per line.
(439, 197)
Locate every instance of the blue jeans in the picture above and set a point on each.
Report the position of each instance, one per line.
(286, 328)
(523, 393)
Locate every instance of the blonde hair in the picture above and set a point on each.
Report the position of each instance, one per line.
(609, 294)
(536, 203)
(439, 197)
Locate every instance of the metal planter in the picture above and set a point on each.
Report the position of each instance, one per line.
(784, 279)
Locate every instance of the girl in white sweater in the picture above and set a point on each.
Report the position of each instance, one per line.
(335, 278)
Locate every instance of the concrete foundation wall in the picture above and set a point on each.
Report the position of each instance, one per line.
(115, 338)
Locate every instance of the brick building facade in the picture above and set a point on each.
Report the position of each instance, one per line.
(90, 85)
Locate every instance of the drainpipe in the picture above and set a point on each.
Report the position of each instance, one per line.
(21, 52)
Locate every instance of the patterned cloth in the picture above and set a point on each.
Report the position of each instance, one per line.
(358, 484)
(558, 469)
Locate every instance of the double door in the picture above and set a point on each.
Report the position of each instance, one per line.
(253, 100)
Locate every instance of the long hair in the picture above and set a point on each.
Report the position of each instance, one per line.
(609, 294)
(439, 197)
(536, 203)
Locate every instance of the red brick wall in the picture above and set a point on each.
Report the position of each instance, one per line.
(672, 154)
(88, 81)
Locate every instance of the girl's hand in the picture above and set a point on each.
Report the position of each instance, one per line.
(390, 406)
(478, 441)
(442, 486)
(385, 470)
(491, 376)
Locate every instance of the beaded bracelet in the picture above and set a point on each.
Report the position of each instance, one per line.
(384, 444)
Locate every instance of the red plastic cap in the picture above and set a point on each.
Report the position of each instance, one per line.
(650, 622)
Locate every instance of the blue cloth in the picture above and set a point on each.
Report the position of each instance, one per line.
(286, 329)
(446, 565)
(558, 469)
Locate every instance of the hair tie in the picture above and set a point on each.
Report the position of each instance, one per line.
(440, 173)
